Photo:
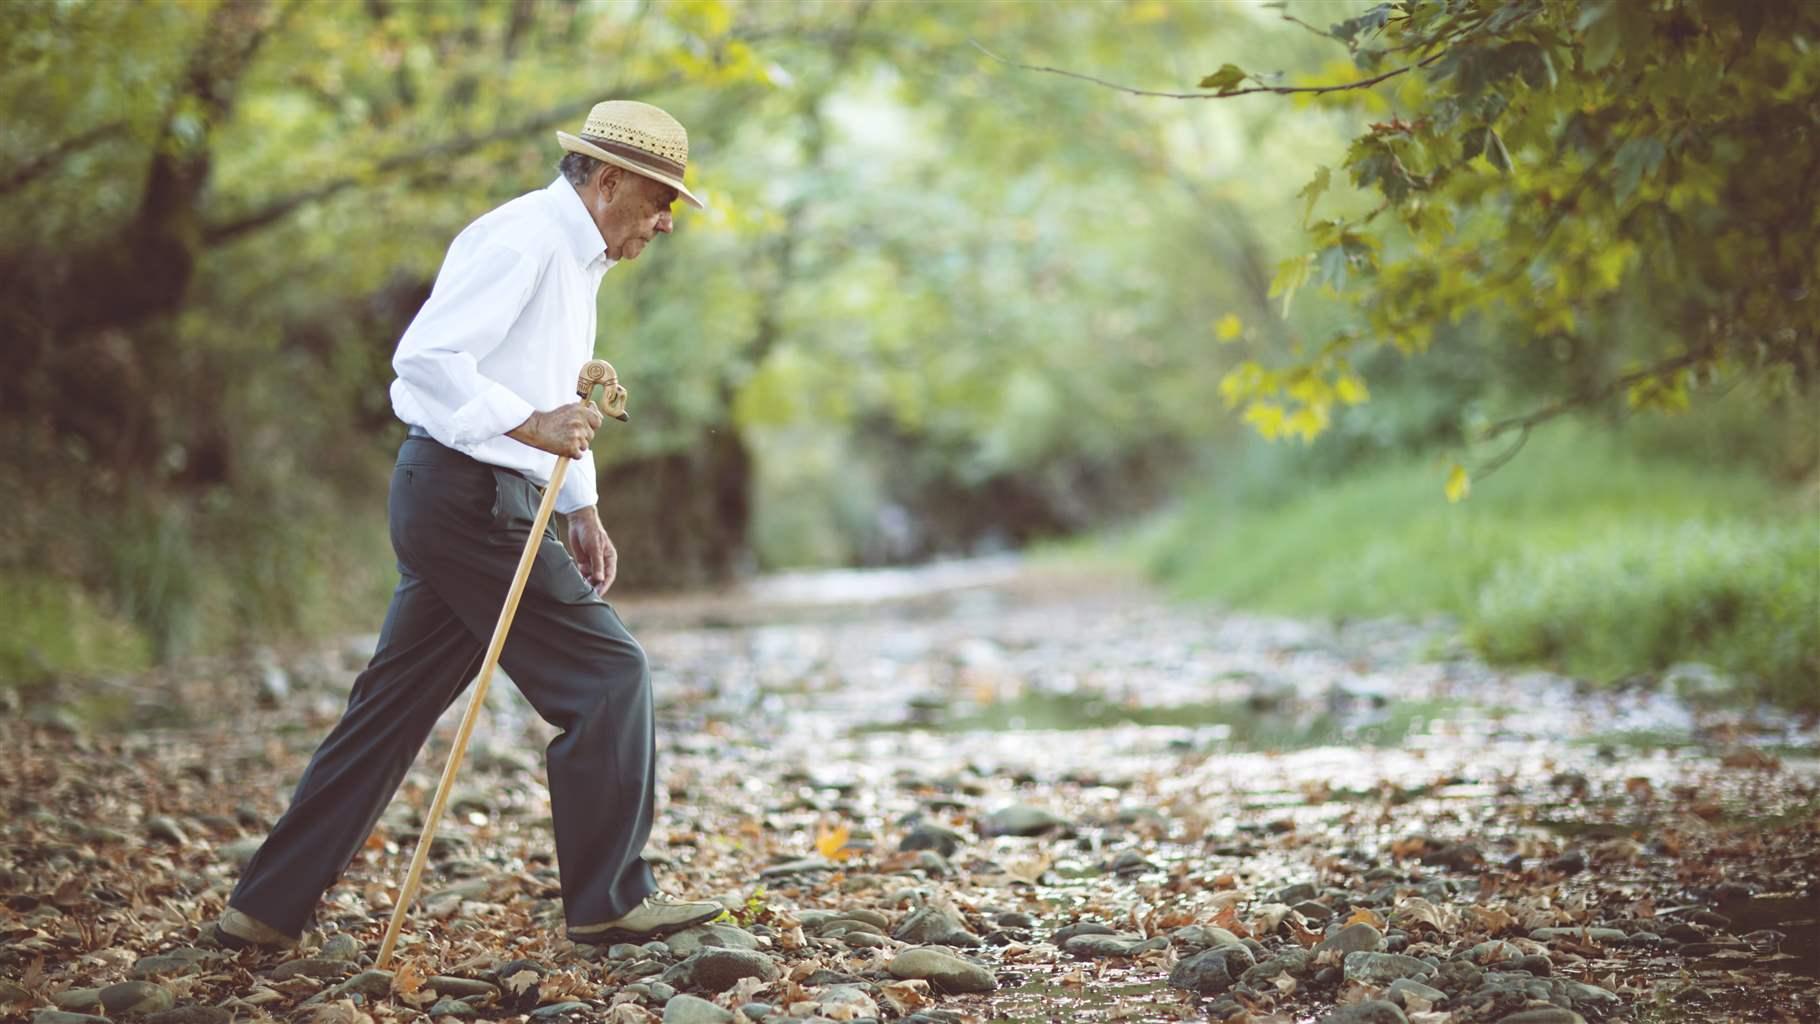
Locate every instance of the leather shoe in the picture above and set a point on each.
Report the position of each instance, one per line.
(657, 915)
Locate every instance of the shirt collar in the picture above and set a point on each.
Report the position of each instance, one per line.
(577, 227)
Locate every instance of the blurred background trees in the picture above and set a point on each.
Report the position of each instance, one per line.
(939, 306)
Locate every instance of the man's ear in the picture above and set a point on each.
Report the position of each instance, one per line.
(609, 181)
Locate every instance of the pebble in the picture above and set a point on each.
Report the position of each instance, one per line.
(239, 851)
(136, 997)
(1212, 971)
(312, 967)
(935, 926)
(756, 1011)
(662, 993)
(1021, 820)
(1090, 946)
(1293, 894)
(460, 988)
(1203, 936)
(1066, 932)
(191, 1015)
(555, 1010)
(164, 827)
(1356, 937)
(1383, 968)
(687, 1009)
(340, 946)
(944, 971)
(180, 961)
(1544, 1015)
(448, 1006)
(371, 984)
(716, 970)
(1494, 950)
(1371, 1011)
(1015, 919)
(1401, 989)
(1313, 911)
(77, 999)
(66, 1017)
(1579, 934)
(945, 842)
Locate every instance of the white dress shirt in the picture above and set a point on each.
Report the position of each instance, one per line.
(504, 333)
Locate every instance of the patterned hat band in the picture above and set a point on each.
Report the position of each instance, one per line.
(649, 161)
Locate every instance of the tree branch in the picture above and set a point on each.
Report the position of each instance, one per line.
(1280, 90)
(1585, 398)
(48, 161)
(273, 210)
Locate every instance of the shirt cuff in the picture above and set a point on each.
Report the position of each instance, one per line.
(578, 488)
(489, 414)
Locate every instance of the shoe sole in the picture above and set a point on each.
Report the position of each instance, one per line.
(616, 935)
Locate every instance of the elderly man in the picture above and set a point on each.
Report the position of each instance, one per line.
(486, 377)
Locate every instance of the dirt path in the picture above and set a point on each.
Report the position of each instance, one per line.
(1101, 804)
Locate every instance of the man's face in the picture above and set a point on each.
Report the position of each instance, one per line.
(629, 209)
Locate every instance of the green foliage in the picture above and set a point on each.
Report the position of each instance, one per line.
(1629, 177)
(1590, 553)
(1741, 596)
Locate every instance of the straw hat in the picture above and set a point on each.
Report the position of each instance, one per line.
(638, 137)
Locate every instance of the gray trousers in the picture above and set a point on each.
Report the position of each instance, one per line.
(459, 527)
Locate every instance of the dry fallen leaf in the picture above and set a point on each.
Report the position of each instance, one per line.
(832, 843)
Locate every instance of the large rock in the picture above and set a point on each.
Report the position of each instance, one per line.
(1371, 1011)
(66, 1017)
(714, 969)
(1384, 968)
(688, 1009)
(944, 971)
(1021, 820)
(725, 936)
(1354, 938)
(1212, 971)
(935, 926)
(312, 967)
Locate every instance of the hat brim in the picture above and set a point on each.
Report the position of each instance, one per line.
(576, 144)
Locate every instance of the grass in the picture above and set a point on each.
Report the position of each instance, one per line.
(1587, 553)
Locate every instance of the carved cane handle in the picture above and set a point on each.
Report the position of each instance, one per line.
(600, 373)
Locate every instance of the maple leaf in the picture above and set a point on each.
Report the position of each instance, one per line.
(832, 843)
(518, 983)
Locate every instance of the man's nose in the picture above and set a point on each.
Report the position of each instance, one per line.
(664, 222)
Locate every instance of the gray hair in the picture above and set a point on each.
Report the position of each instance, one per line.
(579, 168)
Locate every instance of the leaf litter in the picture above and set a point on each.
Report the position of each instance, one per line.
(1250, 820)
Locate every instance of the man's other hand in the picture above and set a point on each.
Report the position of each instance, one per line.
(592, 549)
(564, 430)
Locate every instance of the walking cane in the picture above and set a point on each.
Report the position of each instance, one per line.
(595, 372)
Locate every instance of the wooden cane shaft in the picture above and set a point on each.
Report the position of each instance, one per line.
(415, 876)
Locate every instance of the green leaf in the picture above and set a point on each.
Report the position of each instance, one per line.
(1636, 160)
(1598, 26)
(1495, 151)
(1313, 190)
(1226, 79)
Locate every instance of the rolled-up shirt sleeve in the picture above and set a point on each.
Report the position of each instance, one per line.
(472, 307)
(578, 487)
